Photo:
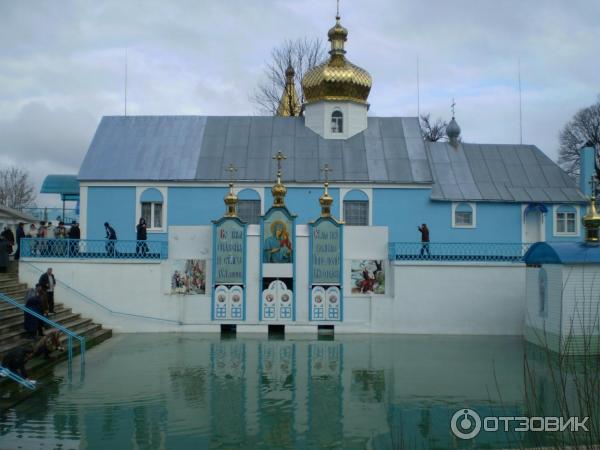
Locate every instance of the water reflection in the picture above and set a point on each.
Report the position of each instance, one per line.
(352, 392)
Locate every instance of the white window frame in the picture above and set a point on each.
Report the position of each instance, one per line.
(150, 223)
(473, 207)
(555, 212)
(138, 208)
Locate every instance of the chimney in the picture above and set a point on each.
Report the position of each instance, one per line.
(587, 168)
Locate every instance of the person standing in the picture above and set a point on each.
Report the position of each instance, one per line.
(33, 325)
(74, 236)
(4, 246)
(424, 240)
(141, 236)
(20, 235)
(111, 235)
(10, 238)
(48, 283)
(42, 234)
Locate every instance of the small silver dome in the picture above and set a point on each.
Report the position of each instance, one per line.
(453, 130)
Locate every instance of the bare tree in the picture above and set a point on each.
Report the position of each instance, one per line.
(302, 54)
(583, 128)
(432, 131)
(16, 189)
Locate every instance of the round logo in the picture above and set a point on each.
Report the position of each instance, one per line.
(235, 298)
(465, 424)
(269, 297)
(332, 299)
(285, 298)
(318, 299)
(220, 298)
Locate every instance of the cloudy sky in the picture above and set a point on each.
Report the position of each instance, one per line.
(62, 64)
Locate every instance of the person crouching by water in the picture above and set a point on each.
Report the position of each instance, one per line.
(48, 283)
(34, 325)
(141, 235)
(111, 235)
(424, 240)
(16, 359)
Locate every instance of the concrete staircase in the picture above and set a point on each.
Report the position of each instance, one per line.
(12, 333)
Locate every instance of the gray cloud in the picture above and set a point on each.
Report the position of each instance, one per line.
(62, 65)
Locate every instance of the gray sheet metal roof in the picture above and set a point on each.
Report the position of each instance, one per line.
(507, 173)
(390, 150)
(166, 148)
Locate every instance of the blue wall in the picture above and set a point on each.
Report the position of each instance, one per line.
(115, 205)
(305, 202)
(195, 205)
(403, 210)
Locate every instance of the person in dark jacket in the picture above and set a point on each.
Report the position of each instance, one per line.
(424, 239)
(74, 236)
(16, 359)
(20, 235)
(10, 237)
(4, 252)
(33, 325)
(111, 235)
(48, 283)
(141, 235)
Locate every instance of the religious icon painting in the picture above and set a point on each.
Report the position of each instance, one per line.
(278, 238)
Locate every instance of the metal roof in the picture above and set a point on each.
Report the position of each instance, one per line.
(169, 148)
(390, 150)
(562, 253)
(507, 173)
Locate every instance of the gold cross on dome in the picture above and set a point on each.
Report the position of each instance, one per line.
(338, 9)
(279, 157)
(231, 169)
(326, 171)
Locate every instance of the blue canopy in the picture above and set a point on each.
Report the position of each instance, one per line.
(65, 185)
(562, 253)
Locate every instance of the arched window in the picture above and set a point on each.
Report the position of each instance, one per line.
(249, 206)
(463, 215)
(152, 208)
(356, 208)
(337, 122)
(565, 220)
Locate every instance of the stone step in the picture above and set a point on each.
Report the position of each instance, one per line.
(6, 326)
(79, 326)
(89, 331)
(16, 294)
(19, 330)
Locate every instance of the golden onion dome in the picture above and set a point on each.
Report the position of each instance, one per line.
(591, 221)
(337, 78)
(326, 201)
(231, 202)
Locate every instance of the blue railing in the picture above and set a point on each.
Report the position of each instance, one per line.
(4, 372)
(70, 334)
(457, 251)
(93, 249)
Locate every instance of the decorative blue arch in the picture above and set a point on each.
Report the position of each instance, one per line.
(356, 194)
(464, 208)
(248, 194)
(152, 195)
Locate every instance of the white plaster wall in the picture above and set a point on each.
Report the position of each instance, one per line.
(318, 118)
(419, 298)
(454, 299)
(581, 300)
(549, 323)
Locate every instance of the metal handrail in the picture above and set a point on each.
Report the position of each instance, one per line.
(457, 251)
(70, 334)
(93, 249)
(19, 379)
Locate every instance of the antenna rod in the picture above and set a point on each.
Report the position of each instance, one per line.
(418, 91)
(125, 82)
(520, 107)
